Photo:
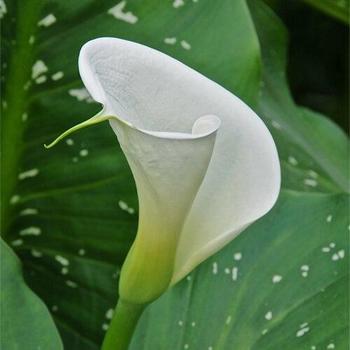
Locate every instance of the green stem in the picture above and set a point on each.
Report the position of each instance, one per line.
(121, 329)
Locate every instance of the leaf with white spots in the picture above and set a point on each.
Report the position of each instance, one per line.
(313, 150)
(294, 312)
(78, 204)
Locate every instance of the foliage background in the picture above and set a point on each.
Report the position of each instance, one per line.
(320, 42)
(282, 284)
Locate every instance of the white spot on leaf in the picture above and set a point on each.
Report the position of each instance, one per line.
(109, 314)
(36, 254)
(304, 270)
(292, 161)
(276, 125)
(30, 231)
(81, 252)
(117, 12)
(28, 173)
(70, 142)
(339, 255)
(276, 279)
(15, 199)
(40, 80)
(185, 45)
(84, 152)
(29, 211)
(268, 315)
(310, 182)
(64, 270)
(234, 273)
(170, 41)
(62, 260)
(3, 9)
(39, 67)
(47, 21)
(178, 3)
(313, 174)
(81, 95)
(17, 242)
(237, 256)
(301, 332)
(57, 76)
(71, 284)
(124, 206)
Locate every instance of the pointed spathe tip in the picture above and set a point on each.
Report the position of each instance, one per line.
(94, 120)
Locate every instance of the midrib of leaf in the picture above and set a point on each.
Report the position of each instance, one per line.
(12, 129)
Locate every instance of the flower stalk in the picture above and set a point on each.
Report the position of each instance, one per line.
(122, 326)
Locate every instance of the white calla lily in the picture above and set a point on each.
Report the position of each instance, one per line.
(204, 163)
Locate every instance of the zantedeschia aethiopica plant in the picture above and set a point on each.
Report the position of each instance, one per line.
(204, 163)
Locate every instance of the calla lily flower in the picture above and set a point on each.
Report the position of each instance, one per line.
(205, 165)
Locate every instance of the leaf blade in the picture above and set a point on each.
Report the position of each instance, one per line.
(26, 322)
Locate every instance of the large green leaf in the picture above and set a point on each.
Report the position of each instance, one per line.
(288, 292)
(76, 208)
(25, 321)
(68, 204)
(312, 149)
(290, 289)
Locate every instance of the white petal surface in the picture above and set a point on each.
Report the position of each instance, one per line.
(168, 169)
(155, 92)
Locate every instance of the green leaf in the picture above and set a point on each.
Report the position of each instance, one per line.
(75, 206)
(338, 9)
(25, 323)
(69, 203)
(282, 284)
(313, 150)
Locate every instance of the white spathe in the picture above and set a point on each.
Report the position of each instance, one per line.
(204, 163)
